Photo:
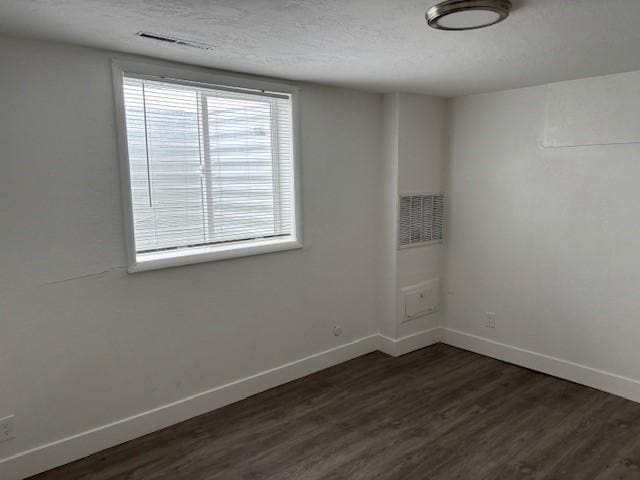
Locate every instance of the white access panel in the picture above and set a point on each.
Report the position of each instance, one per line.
(593, 111)
(421, 299)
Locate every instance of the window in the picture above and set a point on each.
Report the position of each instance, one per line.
(210, 170)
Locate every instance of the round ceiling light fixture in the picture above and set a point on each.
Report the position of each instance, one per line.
(467, 14)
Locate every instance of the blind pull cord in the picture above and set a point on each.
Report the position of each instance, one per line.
(146, 144)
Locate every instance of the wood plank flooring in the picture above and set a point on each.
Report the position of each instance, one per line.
(436, 414)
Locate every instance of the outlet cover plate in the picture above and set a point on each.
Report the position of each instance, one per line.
(7, 428)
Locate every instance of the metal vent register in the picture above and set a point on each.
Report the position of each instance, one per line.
(421, 219)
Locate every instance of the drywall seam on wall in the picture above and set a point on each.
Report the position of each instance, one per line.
(558, 367)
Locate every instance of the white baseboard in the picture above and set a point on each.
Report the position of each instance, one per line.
(415, 341)
(591, 377)
(65, 450)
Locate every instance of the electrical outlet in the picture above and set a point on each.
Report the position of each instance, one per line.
(6, 428)
(490, 320)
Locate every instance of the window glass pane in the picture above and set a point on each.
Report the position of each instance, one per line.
(243, 185)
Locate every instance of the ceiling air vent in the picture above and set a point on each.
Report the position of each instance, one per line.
(421, 219)
(176, 41)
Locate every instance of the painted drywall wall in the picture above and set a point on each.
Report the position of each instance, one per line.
(547, 238)
(422, 158)
(83, 343)
(416, 150)
(389, 213)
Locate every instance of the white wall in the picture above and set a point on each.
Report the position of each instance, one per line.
(416, 149)
(83, 343)
(547, 238)
(422, 159)
(389, 213)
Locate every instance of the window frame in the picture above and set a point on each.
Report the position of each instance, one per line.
(203, 78)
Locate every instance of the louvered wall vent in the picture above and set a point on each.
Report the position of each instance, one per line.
(176, 41)
(421, 219)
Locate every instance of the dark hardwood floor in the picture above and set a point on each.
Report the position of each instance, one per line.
(436, 414)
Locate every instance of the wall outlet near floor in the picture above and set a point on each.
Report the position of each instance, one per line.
(490, 320)
(7, 428)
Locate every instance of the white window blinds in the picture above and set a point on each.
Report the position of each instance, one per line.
(209, 167)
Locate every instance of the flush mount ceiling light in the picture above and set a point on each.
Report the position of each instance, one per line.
(467, 14)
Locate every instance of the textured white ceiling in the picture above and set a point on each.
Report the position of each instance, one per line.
(379, 45)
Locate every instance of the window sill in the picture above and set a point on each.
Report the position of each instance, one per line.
(156, 261)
